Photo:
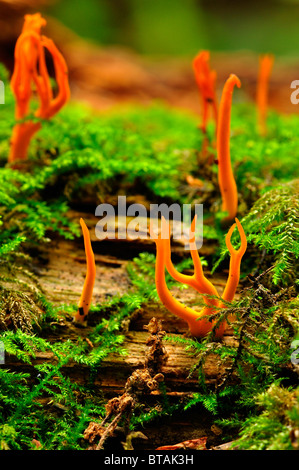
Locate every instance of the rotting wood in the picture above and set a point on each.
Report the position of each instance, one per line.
(115, 369)
(61, 276)
(62, 273)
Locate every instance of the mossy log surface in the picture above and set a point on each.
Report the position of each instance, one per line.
(61, 276)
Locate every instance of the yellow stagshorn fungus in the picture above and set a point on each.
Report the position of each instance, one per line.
(30, 73)
(86, 296)
(265, 67)
(199, 322)
(226, 178)
(205, 79)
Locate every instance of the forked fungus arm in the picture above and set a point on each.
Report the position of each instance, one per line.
(198, 280)
(30, 69)
(235, 261)
(198, 322)
(205, 79)
(198, 326)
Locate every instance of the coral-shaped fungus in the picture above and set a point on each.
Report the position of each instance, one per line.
(265, 68)
(200, 323)
(86, 296)
(227, 183)
(31, 74)
(205, 79)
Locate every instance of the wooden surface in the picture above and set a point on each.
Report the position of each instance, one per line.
(61, 276)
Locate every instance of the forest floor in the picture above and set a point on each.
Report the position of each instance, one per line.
(106, 79)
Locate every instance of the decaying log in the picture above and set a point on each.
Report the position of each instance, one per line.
(115, 369)
(61, 276)
(60, 268)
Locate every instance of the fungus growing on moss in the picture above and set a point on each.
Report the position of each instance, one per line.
(86, 296)
(226, 178)
(200, 323)
(205, 79)
(31, 73)
(265, 67)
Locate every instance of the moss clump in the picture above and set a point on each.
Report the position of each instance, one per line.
(272, 231)
(18, 310)
(276, 426)
(273, 227)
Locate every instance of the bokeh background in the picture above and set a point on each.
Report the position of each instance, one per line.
(140, 50)
(182, 26)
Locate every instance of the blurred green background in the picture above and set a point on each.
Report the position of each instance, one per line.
(179, 27)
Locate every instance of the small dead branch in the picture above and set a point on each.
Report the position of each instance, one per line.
(141, 382)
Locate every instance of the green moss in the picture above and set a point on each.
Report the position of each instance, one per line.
(272, 231)
(275, 427)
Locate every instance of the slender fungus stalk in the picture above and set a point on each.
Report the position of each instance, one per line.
(205, 79)
(226, 178)
(86, 296)
(199, 322)
(265, 67)
(30, 73)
